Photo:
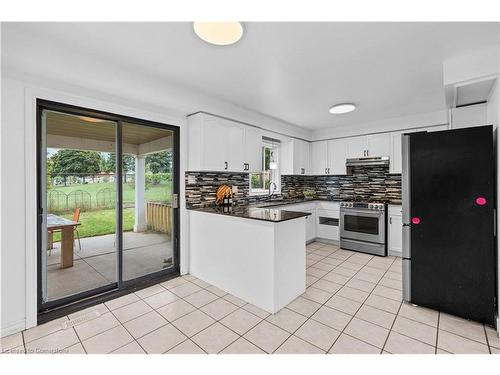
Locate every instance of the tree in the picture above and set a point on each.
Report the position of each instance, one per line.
(159, 162)
(109, 163)
(74, 162)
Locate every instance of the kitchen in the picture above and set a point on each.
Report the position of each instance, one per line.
(301, 211)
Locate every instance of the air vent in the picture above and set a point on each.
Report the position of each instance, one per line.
(80, 319)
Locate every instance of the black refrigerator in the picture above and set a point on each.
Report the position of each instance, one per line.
(449, 252)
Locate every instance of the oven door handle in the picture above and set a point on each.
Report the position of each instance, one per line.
(370, 213)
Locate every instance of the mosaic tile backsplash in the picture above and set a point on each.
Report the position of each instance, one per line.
(367, 183)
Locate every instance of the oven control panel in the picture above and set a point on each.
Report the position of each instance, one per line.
(366, 206)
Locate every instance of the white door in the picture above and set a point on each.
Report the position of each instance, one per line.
(215, 147)
(253, 149)
(395, 235)
(235, 147)
(379, 144)
(337, 154)
(356, 147)
(319, 158)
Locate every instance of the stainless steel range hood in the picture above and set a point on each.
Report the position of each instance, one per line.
(371, 160)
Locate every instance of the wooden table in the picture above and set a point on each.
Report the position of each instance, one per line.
(67, 228)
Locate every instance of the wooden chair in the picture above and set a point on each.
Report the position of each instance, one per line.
(76, 219)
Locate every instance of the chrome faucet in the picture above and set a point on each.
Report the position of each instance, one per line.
(272, 186)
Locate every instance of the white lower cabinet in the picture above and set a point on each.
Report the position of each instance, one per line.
(395, 231)
(323, 221)
(327, 224)
(311, 225)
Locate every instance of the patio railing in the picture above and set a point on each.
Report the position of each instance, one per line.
(159, 217)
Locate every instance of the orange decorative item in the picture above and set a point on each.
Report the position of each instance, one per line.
(223, 191)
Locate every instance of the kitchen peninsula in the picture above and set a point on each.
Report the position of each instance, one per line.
(256, 254)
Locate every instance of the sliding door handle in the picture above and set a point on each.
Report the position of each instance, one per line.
(175, 200)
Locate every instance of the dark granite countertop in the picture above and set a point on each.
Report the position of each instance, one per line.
(255, 213)
(282, 202)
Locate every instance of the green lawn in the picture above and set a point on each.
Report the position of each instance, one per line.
(156, 193)
(97, 223)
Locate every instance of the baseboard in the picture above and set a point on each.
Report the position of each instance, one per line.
(13, 328)
(327, 241)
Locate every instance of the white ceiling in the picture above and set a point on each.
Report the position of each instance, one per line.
(290, 71)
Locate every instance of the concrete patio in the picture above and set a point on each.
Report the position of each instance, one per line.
(95, 264)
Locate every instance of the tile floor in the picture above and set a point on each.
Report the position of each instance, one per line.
(352, 305)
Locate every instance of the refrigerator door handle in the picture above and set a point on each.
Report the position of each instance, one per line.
(406, 242)
(405, 185)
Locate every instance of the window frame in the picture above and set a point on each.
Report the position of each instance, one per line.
(276, 173)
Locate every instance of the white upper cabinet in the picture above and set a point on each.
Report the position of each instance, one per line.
(378, 144)
(356, 147)
(395, 159)
(235, 146)
(213, 157)
(319, 158)
(253, 149)
(368, 145)
(301, 157)
(336, 156)
(295, 157)
(328, 157)
(217, 144)
(430, 129)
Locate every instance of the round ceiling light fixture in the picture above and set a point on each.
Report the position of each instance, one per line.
(342, 108)
(219, 33)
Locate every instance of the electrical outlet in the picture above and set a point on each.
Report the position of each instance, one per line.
(234, 189)
(191, 180)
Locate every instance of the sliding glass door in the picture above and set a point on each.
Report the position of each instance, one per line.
(106, 185)
(147, 175)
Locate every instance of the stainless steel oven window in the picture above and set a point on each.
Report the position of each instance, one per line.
(361, 224)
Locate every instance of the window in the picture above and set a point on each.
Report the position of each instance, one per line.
(261, 181)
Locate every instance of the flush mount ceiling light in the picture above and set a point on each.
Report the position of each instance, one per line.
(219, 33)
(342, 108)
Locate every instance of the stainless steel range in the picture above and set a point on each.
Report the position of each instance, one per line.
(363, 227)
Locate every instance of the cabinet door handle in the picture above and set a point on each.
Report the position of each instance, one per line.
(326, 170)
(390, 220)
(367, 153)
(248, 166)
(225, 165)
